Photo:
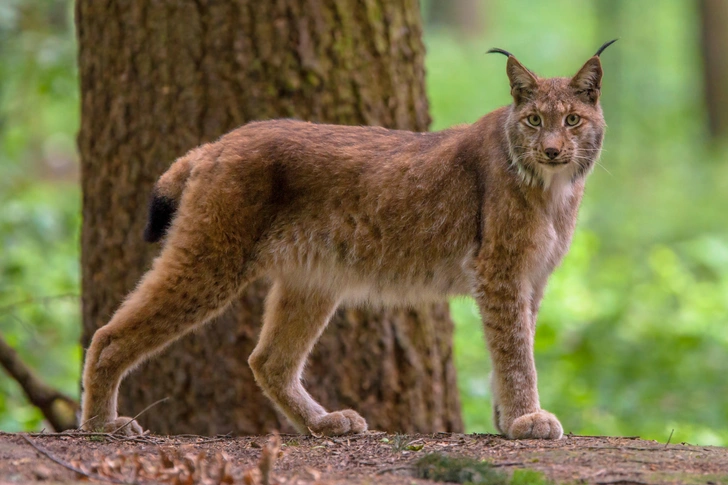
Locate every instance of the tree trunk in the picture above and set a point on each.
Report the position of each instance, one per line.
(714, 20)
(158, 78)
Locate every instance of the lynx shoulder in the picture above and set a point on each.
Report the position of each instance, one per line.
(363, 215)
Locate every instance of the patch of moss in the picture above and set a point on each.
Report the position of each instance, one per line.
(443, 468)
(529, 477)
(469, 471)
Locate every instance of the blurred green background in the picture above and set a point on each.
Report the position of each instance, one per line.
(633, 332)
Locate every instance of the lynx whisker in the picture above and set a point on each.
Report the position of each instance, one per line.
(600, 164)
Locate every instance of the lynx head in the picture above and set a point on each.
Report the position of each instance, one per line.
(555, 126)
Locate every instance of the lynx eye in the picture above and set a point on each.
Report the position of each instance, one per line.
(573, 120)
(534, 120)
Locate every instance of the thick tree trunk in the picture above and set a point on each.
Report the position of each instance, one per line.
(159, 78)
(714, 20)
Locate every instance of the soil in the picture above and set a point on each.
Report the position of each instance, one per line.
(374, 457)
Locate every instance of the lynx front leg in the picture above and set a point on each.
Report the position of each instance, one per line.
(294, 319)
(507, 317)
(536, 297)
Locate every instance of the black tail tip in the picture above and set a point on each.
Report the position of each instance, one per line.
(161, 213)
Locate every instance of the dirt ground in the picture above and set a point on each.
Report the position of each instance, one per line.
(372, 458)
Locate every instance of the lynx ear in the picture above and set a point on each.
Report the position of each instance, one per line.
(588, 81)
(523, 81)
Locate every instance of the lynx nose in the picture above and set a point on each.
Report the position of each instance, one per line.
(552, 153)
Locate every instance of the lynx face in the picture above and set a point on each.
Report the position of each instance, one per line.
(556, 128)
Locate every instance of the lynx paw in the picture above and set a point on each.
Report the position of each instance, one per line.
(123, 426)
(538, 425)
(339, 422)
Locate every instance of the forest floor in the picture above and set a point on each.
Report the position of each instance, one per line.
(371, 458)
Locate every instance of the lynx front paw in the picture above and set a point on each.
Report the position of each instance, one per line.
(123, 426)
(338, 423)
(538, 425)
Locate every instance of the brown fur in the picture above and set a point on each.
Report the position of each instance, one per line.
(336, 214)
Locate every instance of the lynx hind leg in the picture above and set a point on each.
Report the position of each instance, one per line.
(186, 287)
(294, 319)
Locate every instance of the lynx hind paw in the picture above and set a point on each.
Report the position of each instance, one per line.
(539, 425)
(123, 426)
(338, 423)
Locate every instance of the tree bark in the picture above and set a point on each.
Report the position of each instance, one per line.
(714, 36)
(158, 78)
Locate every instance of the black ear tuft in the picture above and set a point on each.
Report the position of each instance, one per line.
(606, 44)
(496, 50)
(523, 81)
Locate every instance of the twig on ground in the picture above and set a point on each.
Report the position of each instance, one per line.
(394, 469)
(637, 448)
(572, 435)
(70, 432)
(139, 414)
(507, 463)
(68, 466)
(74, 433)
(670, 437)
(620, 481)
(212, 440)
(187, 435)
(80, 426)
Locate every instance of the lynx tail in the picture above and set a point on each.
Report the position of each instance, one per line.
(165, 198)
(161, 213)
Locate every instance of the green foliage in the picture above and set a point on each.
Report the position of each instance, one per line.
(632, 336)
(40, 216)
(39, 303)
(529, 477)
(456, 469)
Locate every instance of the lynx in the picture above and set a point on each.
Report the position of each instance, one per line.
(344, 214)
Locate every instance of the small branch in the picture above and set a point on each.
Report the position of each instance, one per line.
(507, 463)
(57, 408)
(394, 469)
(68, 466)
(571, 435)
(30, 301)
(618, 481)
(149, 440)
(668, 439)
(140, 413)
